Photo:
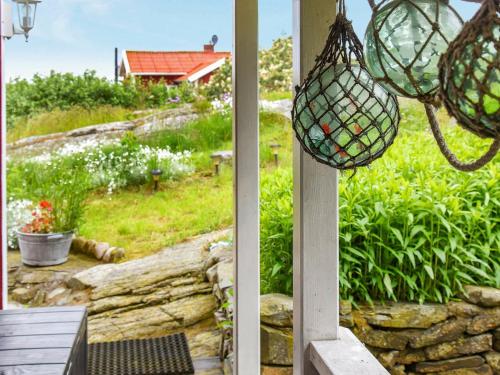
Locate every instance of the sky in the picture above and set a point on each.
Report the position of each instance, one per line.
(76, 35)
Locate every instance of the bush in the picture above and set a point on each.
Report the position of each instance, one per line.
(63, 91)
(220, 83)
(411, 227)
(275, 66)
(202, 106)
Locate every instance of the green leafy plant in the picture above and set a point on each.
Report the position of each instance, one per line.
(65, 184)
(276, 232)
(411, 227)
(207, 133)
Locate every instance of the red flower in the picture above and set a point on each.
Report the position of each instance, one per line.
(326, 128)
(43, 219)
(45, 205)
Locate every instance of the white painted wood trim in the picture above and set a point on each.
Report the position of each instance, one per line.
(246, 188)
(125, 62)
(208, 69)
(3, 176)
(7, 28)
(345, 356)
(315, 254)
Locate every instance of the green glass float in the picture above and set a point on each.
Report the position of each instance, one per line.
(404, 41)
(470, 73)
(341, 116)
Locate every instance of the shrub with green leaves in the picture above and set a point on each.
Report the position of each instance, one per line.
(275, 66)
(63, 91)
(411, 227)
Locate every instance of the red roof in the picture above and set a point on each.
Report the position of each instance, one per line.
(185, 63)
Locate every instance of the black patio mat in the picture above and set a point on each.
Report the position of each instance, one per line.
(159, 356)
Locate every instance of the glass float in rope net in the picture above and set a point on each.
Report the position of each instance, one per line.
(341, 116)
(404, 41)
(470, 73)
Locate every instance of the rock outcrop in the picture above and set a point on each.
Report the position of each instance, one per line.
(104, 133)
(153, 296)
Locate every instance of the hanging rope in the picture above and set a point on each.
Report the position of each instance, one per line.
(342, 7)
(448, 154)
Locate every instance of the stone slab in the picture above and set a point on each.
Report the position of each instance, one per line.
(276, 310)
(449, 364)
(460, 347)
(405, 315)
(482, 295)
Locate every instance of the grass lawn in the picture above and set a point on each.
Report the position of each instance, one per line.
(276, 95)
(142, 222)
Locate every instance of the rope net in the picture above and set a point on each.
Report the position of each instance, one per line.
(341, 116)
(470, 73)
(403, 42)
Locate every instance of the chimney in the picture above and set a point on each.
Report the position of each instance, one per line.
(208, 48)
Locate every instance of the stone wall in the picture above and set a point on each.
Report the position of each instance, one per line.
(459, 338)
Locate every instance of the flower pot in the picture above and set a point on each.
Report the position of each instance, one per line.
(44, 249)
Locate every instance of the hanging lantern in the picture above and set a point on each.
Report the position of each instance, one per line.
(470, 73)
(26, 12)
(404, 41)
(341, 116)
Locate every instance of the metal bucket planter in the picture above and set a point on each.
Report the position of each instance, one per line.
(44, 249)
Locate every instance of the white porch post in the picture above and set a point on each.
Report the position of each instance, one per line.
(315, 256)
(246, 188)
(3, 174)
